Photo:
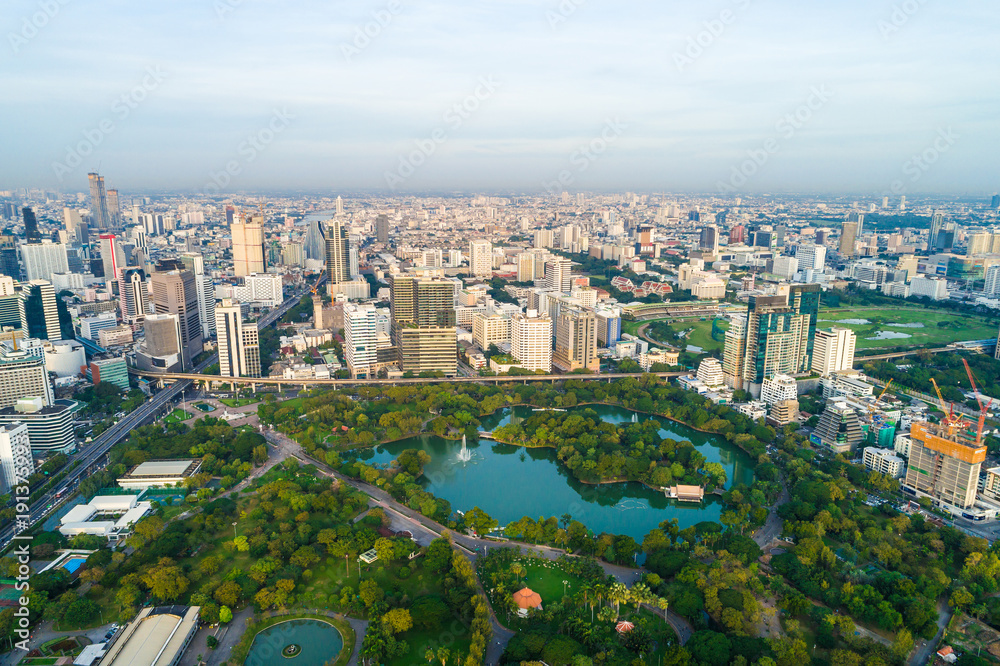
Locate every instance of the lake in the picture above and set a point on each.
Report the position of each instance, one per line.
(510, 482)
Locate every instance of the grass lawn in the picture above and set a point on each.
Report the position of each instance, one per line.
(177, 416)
(938, 326)
(547, 581)
(238, 402)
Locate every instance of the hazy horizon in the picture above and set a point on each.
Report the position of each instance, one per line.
(891, 97)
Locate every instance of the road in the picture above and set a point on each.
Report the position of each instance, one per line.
(925, 649)
(772, 527)
(90, 454)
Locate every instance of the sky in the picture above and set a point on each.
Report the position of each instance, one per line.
(883, 97)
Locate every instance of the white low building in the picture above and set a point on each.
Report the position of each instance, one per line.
(160, 474)
(108, 516)
(778, 389)
(754, 409)
(884, 461)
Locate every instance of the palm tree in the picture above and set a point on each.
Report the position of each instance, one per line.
(662, 604)
(443, 654)
(640, 594)
(518, 570)
(429, 655)
(618, 594)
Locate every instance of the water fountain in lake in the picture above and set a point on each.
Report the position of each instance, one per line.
(465, 455)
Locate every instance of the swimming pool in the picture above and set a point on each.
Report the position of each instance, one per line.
(73, 563)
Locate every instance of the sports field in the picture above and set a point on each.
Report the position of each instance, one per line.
(907, 327)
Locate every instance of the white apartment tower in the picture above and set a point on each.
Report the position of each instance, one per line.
(16, 463)
(239, 345)
(833, 350)
(481, 258)
(248, 246)
(531, 340)
(361, 339)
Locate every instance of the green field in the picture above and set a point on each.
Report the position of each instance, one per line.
(938, 327)
(238, 402)
(700, 333)
(177, 416)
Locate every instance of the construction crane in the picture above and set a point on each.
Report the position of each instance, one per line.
(872, 408)
(983, 410)
(949, 420)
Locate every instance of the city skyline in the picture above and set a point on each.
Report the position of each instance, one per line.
(874, 85)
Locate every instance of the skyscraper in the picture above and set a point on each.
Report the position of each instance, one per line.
(338, 253)
(558, 274)
(576, 340)
(709, 241)
(340, 205)
(360, 339)
(775, 337)
(23, 374)
(531, 340)
(811, 257)
(937, 226)
(112, 256)
(15, 454)
(98, 202)
(945, 461)
(481, 258)
(995, 203)
(114, 210)
(31, 233)
(134, 298)
(239, 342)
(174, 292)
(850, 232)
(43, 259)
(248, 245)
(833, 350)
(205, 289)
(423, 323)
(382, 228)
(39, 314)
(737, 234)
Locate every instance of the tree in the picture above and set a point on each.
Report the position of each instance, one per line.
(228, 594)
(709, 647)
(438, 556)
(211, 642)
(480, 521)
(225, 615)
(398, 620)
(370, 592)
(165, 580)
(961, 598)
(386, 549)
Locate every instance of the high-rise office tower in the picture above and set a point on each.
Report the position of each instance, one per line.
(248, 245)
(737, 234)
(174, 292)
(709, 241)
(340, 205)
(315, 241)
(481, 258)
(114, 210)
(525, 267)
(38, 310)
(239, 342)
(995, 203)
(833, 350)
(43, 259)
(775, 337)
(576, 340)
(205, 289)
(9, 265)
(811, 257)
(360, 339)
(338, 253)
(839, 428)
(531, 340)
(134, 298)
(934, 240)
(382, 228)
(423, 323)
(98, 202)
(31, 233)
(979, 243)
(10, 303)
(16, 462)
(850, 232)
(23, 374)
(112, 256)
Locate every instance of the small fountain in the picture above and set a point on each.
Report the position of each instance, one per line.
(465, 455)
(635, 417)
